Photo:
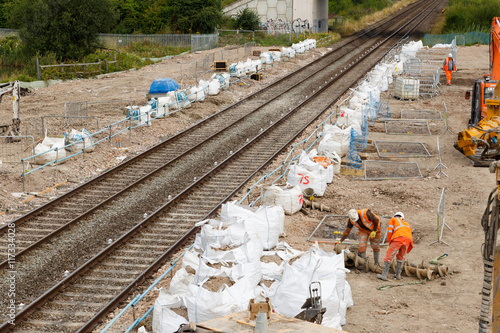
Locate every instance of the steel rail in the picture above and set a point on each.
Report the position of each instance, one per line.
(241, 149)
(110, 173)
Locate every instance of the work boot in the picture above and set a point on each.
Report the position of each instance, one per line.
(399, 269)
(383, 276)
(375, 258)
(362, 267)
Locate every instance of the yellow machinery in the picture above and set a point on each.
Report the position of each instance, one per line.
(480, 141)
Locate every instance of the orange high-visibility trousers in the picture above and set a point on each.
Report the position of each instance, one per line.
(448, 77)
(364, 235)
(399, 246)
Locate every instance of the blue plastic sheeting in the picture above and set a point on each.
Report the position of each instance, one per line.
(163, 86)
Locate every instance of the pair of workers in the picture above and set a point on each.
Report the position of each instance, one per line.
(399, 236)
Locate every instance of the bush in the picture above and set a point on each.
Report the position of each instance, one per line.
(467, 16)
(192, 16)
(247, 20)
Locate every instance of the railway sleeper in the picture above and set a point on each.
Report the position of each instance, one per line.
(119, 281)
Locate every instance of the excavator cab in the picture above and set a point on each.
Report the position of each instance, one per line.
(483, 89)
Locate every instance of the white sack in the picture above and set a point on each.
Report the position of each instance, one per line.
(289, 198)
(299, 175)
(213, 87)
(265, 222)
(44, 147)
(164, 319)
(81, 140)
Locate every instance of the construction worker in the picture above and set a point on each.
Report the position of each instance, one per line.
(449, 66)
(369, 226)
(399, 236)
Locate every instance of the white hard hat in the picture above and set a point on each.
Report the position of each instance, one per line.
(353, 215)
(450, 55)
(400, 215)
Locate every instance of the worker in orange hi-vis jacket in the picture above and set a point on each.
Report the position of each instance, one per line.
(449, 66)
(400, 238)
(369, 226)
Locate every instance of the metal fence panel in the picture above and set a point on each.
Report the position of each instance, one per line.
(204, 42)
(14, 152)
(117, 40)
(75, 111)
(462, 39)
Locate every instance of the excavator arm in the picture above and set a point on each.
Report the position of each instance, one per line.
(491, 258)
(495, 49)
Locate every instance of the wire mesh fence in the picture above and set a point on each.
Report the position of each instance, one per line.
(119, 40)
(380, 170)
(204, 42)
(474, 37)
(407, 127)
(14, 152)
(392, 149)
(421, 114)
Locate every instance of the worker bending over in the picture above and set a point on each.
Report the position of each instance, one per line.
(449, 66)
(369, 226)
(399, 236)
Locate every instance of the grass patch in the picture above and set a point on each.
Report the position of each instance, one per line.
(227, 2)
(148, 49)
(349, 27)
(15, 65)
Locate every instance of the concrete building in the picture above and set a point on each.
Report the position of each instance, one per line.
(314, 11)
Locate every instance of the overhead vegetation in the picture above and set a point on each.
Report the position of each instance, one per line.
(70, 28)
(194, 16)
(467, 16)
(247, 20)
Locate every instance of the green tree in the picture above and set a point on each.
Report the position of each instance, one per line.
(68, 28)
(3, 21)
(190, 16)
(247, 20)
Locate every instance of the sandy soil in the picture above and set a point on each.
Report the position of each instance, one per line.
(449, 304)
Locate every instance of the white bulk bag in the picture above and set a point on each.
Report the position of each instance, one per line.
(81, 140)
(266, 223)
(212, 233)
(289, 198)
(298, 175)
(336, 140)
(356, 102)
(345, 120)
(191, 93)
(174, 105)
(384, 84)
(213, 87)
(182, 99)
(180, 282)
(164, 319)
(240, 69)
(265, 58)
(204, 305)
(49, 156)
(313, 166)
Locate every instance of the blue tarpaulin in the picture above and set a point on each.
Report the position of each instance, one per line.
(163, 86)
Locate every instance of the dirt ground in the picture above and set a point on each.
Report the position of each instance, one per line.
(449, 304)
(108, 96)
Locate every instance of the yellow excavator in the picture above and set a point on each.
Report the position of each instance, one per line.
(481, 140)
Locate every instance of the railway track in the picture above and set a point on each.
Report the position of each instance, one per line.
(143, 246)
(154, 165)
(44, 223)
